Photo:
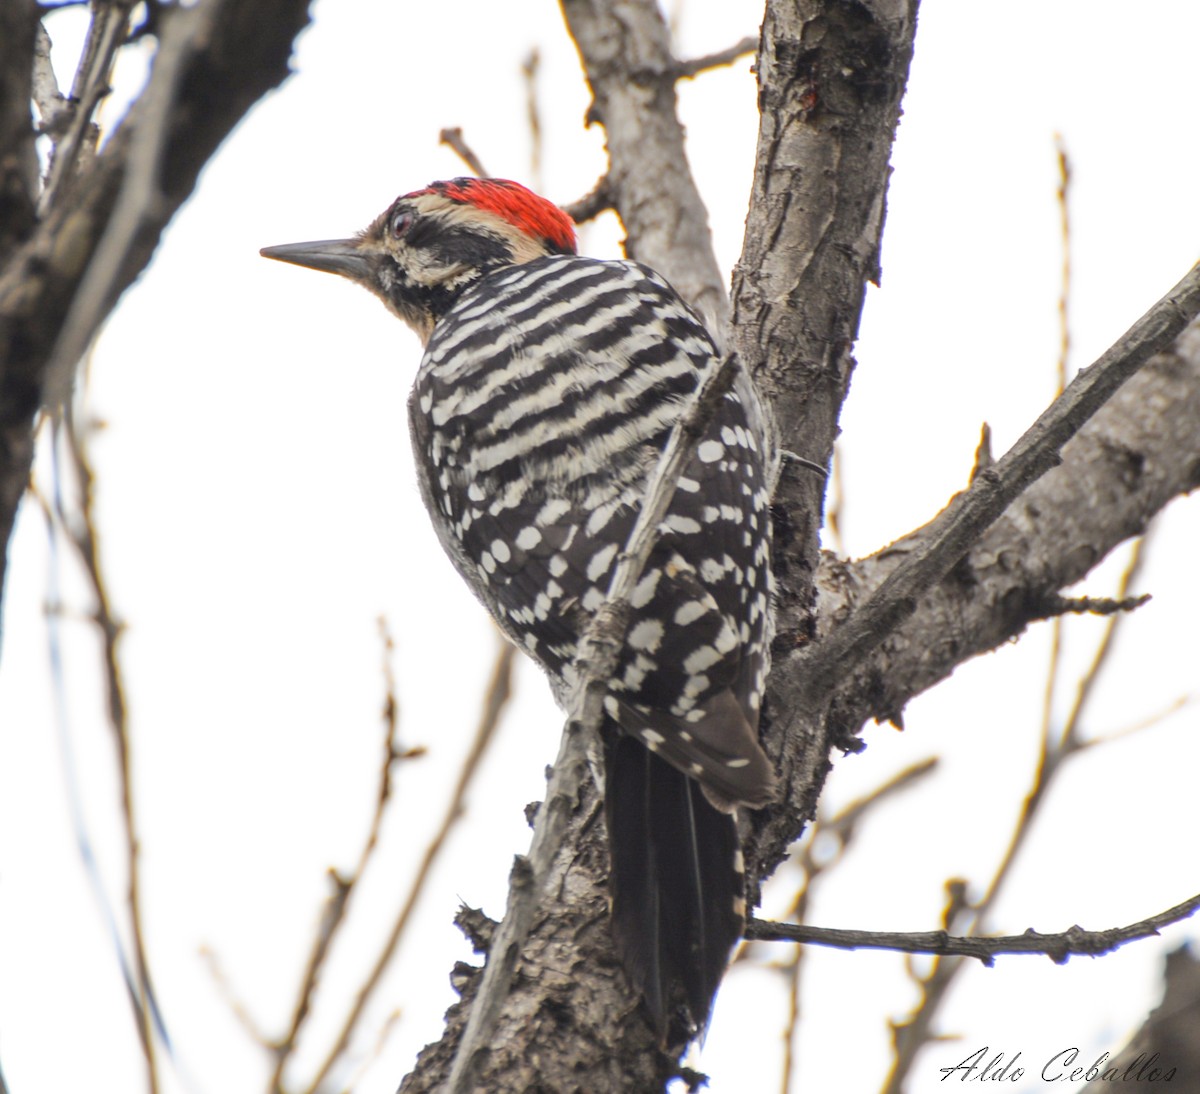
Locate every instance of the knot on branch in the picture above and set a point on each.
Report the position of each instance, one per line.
(477, 927)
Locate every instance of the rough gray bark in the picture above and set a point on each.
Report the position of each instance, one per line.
(570, 1024)
(1167, 1043)
(626, 54)
(1137, 454)
(18, 196)
(224, 57)
(831, 75)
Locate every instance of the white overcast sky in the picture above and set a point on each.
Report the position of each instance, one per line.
(259, 512)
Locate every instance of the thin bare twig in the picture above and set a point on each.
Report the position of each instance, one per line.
(86, 542)
(1150, 721)
(1064, 352)
(454, 139)
(334, 914)
(141, 201)
(530, 68)
(368, 1058)
(106, 33)
(596, 201)
(233, 1001)
(1071, 738)
(910, 1035)
(496, 697)
(686, 70)
(1074, 941)
(1058, 606)
(1064, 295)
(594, 663)
(916, 1031)
(842, 827)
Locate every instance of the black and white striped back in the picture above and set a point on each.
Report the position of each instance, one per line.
(543, 401)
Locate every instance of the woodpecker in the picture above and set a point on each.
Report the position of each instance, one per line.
(548, 387)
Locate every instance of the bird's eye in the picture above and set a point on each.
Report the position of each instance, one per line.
(401, 222)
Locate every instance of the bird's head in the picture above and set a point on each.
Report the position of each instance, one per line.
(430, 245)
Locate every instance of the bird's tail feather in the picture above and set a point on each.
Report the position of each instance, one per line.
(676, 886)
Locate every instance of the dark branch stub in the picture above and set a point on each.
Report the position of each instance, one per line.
(596, 201)
(686, 70)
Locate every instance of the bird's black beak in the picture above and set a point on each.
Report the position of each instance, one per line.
(339, 256)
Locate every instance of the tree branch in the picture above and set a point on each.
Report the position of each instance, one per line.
(333, 915)
(625, 50)
(141, 199)
(19, 27)
(830, 76)
(1058, 746)
(686, 70)
(1140, 451)
(571, 1013)
(453, 138)
(592, 204)
(85, 540)
(213, 83)
(1056, 606)
(949, 536)
(73, 152)
(495, 699)
(1059, 947)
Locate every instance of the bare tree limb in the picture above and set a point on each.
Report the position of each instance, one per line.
(86, 543)
(842, 828)
(830, 78)
(333, 915)
(49, 100)
(592, 204)
(1075, 941)
(1057, 606)
(623, 46)
(73, 153)
(496, 696)
(949, 536)
(686, 70)
(217, 80)
(18, 158)
(626, 53)
(1140, 451)
(911, 1034)
(453, 138)
(141, 199)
